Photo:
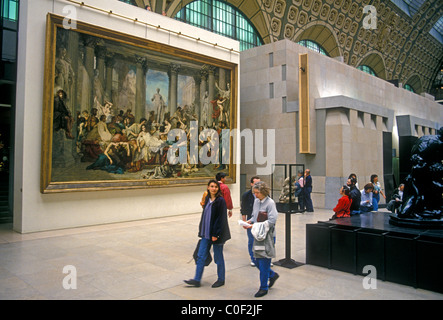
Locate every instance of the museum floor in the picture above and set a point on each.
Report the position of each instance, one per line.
(149, 259)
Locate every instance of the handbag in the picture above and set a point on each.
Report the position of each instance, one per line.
(262, 216)
(195, 255)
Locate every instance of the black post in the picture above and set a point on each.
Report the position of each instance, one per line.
(287, 262)
(288, 209)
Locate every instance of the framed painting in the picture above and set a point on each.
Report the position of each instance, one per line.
(122, 112)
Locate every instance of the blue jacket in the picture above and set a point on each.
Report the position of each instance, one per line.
(219, 226)
(308, 184)
(247, 203)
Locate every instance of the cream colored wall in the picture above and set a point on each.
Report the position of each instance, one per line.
(343, 143)
(34, 211)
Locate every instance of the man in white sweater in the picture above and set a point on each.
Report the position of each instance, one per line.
(366, 198)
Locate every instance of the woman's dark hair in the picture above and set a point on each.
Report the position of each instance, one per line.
(368, 186)
(353, 175)
(218, 194)
(373, 177)
(346, 190)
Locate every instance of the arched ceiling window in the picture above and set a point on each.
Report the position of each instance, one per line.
(373, 61)
(220, 17)
(409, 88)
(319, 38)
(313, 46)
(132, 2)
(414, 82)
(367, 69)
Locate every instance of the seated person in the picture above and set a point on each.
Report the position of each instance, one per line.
(397, 199)
(366, 198)
(355, 195)
(342, 209)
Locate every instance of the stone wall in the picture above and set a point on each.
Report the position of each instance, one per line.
(349, 112)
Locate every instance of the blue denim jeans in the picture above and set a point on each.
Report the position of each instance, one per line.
(264, 265)
(250, 244)
(203, 251)
(307, 200)
(375, 201)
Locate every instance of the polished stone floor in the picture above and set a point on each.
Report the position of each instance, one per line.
(149, 259)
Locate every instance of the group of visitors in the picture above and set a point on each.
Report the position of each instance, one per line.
(354, 201)
(259, 216)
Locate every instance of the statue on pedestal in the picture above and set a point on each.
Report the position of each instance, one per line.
(422, 198)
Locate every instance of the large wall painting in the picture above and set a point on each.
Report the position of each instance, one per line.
(123, 112)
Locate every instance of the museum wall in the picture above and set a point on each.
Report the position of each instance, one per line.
(36, 211)
(349, 111)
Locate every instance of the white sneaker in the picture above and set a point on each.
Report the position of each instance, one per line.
(252, 264)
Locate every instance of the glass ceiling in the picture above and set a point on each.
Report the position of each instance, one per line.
(410, 7)
(414, 5)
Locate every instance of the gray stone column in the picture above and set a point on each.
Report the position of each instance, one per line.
(198, 94)
(173, 83)
(109, 62)
(101, 55)
(73, 42)
(211, 83)
(89, 67)
(140, 94)
(222, 78)
(211, 92)
(203, 90)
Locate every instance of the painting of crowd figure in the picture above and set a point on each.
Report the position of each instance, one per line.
(115, 141)
(121, 110)
(119, 142)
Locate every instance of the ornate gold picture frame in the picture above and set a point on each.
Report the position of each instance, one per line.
(123, 112)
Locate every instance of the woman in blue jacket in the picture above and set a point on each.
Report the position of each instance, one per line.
(264, 210)
(213, 230)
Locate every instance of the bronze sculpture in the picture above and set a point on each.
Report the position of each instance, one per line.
(422, 205)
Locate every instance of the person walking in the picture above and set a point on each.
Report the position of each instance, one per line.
(262, 222)
(376, 192)
(299, 191)
(308, 190)
(213, 231)
(246, 207)
(226, 193)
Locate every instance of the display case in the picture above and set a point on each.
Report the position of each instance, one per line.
(286, 190)
(288, 197)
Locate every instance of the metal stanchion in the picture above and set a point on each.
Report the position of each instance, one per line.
(288, 210)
